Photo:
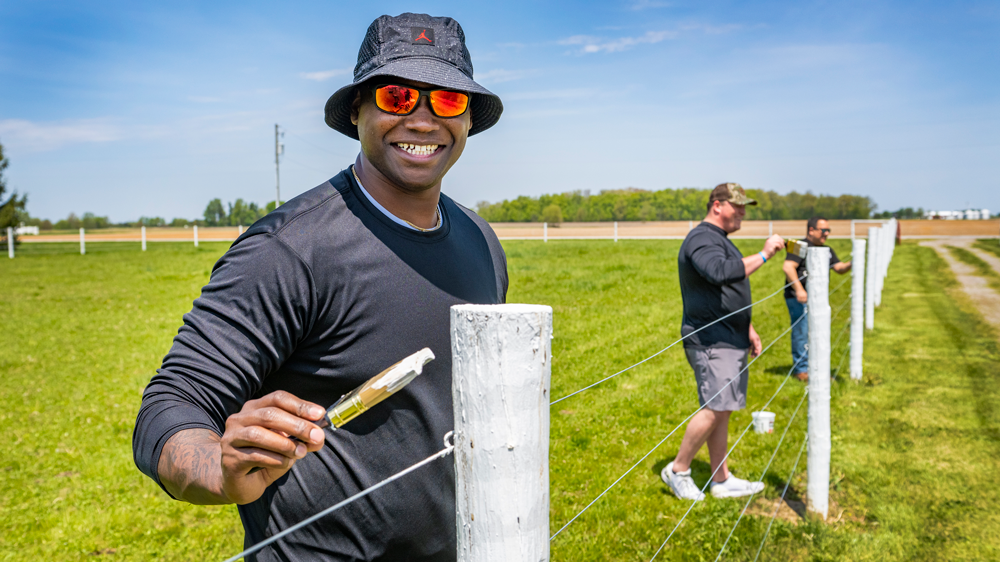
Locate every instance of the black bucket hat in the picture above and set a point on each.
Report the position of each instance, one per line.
(421, 48)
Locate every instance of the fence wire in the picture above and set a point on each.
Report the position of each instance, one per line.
(554, 402)
(449, 447)
(674, 430)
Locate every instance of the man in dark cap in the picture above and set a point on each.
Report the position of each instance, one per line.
(817, 231)
(333, 287)
(715, 281)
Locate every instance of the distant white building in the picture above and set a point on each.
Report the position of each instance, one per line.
(22, 230)
(968, 214)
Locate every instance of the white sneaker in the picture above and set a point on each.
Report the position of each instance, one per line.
(681, 483)
(735, 488)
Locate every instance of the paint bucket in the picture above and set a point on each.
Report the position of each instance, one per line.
(763, 422)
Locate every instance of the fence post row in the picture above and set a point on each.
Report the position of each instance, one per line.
(818, 487)
(857, 307)
(501, 365)
(10, 242)
(872, 273)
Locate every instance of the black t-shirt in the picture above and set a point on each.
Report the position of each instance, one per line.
(800, 268)
(316, 298)
(713, 284)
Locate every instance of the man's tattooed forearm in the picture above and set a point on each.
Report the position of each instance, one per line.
(190, 467)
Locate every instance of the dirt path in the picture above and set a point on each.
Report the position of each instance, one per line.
(987, 300)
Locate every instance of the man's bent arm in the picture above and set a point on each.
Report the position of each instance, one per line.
(791, 272)
(190, 467)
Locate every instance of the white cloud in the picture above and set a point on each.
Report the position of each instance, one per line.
(499, 75)
(324, 75)
(28, 135)
(646, 4)
(591, 44)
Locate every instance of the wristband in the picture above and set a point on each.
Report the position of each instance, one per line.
(763, 256)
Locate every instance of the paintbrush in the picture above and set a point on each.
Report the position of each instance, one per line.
(373, 391)
(376, 389)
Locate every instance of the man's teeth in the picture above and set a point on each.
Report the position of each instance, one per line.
(418, 149)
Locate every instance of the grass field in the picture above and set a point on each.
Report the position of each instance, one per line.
(914, 448)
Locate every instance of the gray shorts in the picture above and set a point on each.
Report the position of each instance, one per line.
(713, 368)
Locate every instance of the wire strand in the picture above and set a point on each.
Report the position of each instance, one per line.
(553, 403)
(783, 492)
(763, 474)
(674, 430)
(723, 461)
(443, 452)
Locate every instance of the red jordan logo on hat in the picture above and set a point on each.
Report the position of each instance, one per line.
(418, 34)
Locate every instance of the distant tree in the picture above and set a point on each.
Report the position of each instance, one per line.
(14, 210)
(552, 214)
(215, 213)
(151, 221)
(91, 221)
(72, 222)
(179, 222)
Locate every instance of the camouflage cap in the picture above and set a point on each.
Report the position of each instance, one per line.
(732, 192)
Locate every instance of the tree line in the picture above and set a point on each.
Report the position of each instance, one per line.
(632, 204)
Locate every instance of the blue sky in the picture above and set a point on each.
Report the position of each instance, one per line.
(151, 109)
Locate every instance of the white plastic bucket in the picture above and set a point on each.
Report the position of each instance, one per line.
(763, 422)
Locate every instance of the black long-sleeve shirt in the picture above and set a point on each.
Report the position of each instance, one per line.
(314, 299)
(713, 284)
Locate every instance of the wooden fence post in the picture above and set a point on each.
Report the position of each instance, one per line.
(818, 486)
(501, 365)
(10, 242)
(144, 239)
(195, 236)
(83, 244)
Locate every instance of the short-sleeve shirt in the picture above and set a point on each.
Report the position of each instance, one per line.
(713, 284)
(800, 268)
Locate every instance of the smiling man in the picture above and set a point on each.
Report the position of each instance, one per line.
(715, 282)
(330, 289)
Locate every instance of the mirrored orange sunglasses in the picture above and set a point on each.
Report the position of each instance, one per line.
(402, 100)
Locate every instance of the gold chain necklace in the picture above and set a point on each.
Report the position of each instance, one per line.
(437, 210)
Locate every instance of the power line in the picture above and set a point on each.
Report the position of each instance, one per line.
(657, 446)
(553, 403)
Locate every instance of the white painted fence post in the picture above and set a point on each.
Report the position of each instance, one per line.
(545, 232)
(239, 232)
(83, 244)
(770, 229)
(616, 231)
(818, 487)
(195, 236)
(10, 242)
(144, 239)
(690, 226)
(857, 307)
(871, 275)
(501, 365)
(880, 266)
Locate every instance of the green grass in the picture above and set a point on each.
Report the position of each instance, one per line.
(914, 448)
(982, 268)
(988, 245)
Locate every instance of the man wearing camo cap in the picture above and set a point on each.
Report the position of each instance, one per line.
(715, 281)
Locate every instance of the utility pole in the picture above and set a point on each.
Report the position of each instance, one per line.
(278, 149)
